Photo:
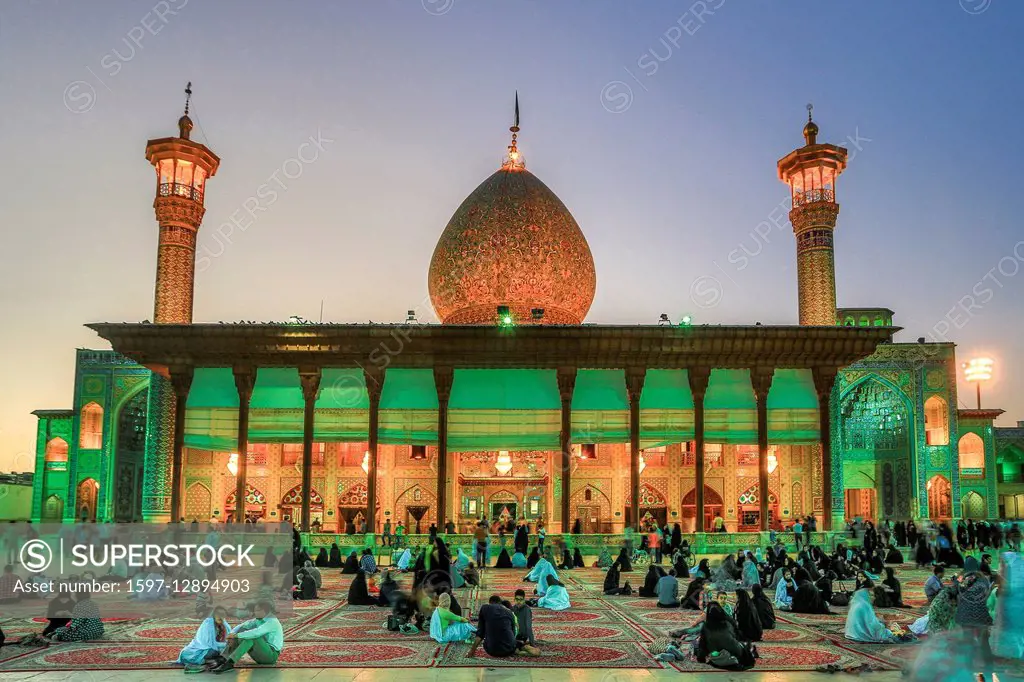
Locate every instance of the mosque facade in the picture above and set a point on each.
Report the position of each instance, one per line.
(513, 406)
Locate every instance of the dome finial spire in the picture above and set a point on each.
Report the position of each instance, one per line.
(514, 160)
(811, 129)
(185, 123)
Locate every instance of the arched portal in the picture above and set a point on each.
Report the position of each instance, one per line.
(876, 427)
(974, 506)
(593, 508)
(255, 503)
(198, 503)
(416, 508)
(748, 509)
(503, 506)
(86, 497)
(53, 509)
(653, 508)
(940, 498)
(713, 507)
(291, 507)
(129, 456)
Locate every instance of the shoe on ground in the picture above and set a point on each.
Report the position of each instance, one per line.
(225, 667)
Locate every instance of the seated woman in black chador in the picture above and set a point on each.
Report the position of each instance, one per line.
(611, 580)
(654, 574)
(351, 566)
(625, 565)
(358, 595)
(693, 599)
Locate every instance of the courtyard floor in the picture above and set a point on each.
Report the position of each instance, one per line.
(599, 638)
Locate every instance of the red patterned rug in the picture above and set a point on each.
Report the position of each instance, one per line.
(597, 632)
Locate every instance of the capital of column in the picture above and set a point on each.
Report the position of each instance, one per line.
(635, 377)
(443, 378)
(698, 378)
(566, 382)
(761, 381)
(824, 380)
(245, 381)
(374, 384)
(181, 379)
(309, 379)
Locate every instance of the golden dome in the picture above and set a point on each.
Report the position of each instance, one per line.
(512, 243)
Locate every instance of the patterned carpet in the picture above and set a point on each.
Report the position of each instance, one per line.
(598, 632)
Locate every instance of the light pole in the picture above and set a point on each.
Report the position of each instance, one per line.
(978, 370)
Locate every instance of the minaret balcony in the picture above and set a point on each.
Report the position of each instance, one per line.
(178, 189)
(813, 195)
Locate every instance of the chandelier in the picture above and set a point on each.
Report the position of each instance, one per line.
(504, 463)
(366, 462)
(233, 464)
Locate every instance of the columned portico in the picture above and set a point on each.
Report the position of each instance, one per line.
(678, 404)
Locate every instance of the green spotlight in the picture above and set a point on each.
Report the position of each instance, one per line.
(685, 321)
(505, 316)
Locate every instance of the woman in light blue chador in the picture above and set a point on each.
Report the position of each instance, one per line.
(750, 575)
(458, 569)
(445, 626)
(404, 560)
(556, 598)
(210, 639)
(862, 625)
(518, 560)
(542, 566)
(785, 591)
(544, 572)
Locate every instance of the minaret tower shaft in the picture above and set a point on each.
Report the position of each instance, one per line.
(182, 169)
(811, 173)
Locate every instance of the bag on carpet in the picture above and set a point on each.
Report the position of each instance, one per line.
(840, 595)
(723, 659)
(392, 623)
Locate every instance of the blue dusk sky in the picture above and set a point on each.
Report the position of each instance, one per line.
(659, 125)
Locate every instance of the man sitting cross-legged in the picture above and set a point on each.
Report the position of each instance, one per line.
(262, 638)
(496, 629)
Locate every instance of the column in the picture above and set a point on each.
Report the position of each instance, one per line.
(181, 381)
(245, 379)
(443, 377)
(309, 378)
(374, 386)
(824, 379)
(699, 377)
(761, 381)
(566, 385)
(634, 387)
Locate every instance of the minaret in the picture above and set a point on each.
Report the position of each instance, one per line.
(182, 168)
(811, 172)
